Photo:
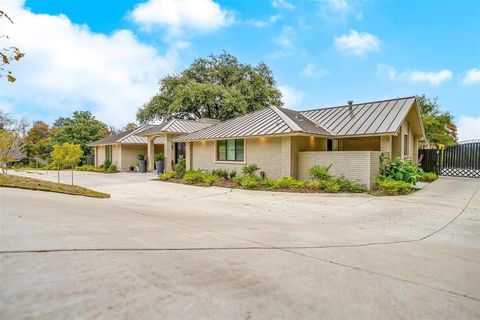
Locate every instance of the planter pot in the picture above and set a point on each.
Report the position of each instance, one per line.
(142, 164)
(160, 165)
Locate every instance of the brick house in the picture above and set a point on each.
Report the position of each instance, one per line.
(284, 142)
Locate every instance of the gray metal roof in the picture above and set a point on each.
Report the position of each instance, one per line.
(378, 117)
(177, 126)
(128, 137)
(267, 121)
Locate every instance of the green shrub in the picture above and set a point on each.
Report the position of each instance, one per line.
(400, 170)
(232, 174)
(320, 173)
(350, 186)
(210, 179)
(180, 167)
(194, 176)
(86, 167)
(141, 156)
(330, 185)
(106, 164)
(221, 173)
(159, 157)
(313, 185)
(392, 187)
(167, 175)
(428, 176)
(249, 181)
(250, 169)
(288, 183)
(112, 168)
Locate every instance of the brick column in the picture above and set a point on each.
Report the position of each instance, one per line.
(286, 157)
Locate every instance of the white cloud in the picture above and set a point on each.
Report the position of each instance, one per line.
(264, 23)
(357, 43)
(179, 15)
(468, 128)
(311, 71)
(68, 67)
(284, 43)
(433, 78)
(384, 70)
(340, 10)
(283, 4)
(472, 76)
(290, 96)
(414, 76)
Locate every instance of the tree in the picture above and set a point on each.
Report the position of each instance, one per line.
(8, 53)
(66, 153)
(6, 121)
(439, 127)
(217, 87)
(82, 128)
(130, 126)
(11, 148)
(38, 142)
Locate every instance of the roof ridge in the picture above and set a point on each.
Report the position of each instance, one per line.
(356, 104)
(133, 131)
(168, 124)
(293, 126)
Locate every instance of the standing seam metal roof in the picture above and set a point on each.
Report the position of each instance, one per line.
(378, 117)
(267, 121)
(176, 126)
(365, 118)
(127, 137)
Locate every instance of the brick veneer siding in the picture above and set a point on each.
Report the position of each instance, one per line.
(360, 166)
(265, 152)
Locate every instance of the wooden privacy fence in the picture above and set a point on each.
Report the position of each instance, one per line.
(461, 160)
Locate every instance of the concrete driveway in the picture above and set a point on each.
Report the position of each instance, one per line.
(161, 250)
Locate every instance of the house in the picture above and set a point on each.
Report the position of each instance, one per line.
(122, 149)
(284, 142)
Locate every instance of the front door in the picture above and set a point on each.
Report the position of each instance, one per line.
(179, 150)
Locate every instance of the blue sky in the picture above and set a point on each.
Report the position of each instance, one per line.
(107, 56)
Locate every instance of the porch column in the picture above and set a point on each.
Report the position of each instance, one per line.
(119, 164)
(415, 150)
(286, 158)
(150, 152)
(169, 153)
(188, 155)
(386, 145)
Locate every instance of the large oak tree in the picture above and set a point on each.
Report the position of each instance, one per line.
(218, 87)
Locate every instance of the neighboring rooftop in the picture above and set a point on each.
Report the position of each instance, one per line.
(127, 137)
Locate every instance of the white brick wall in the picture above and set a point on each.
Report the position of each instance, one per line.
(360, 166)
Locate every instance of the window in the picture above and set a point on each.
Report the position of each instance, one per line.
(329, 145)
(108, 152)
(405, 145)
(230, 150)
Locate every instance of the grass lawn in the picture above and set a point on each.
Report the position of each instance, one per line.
(11, 181)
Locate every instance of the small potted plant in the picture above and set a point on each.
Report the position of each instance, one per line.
(142, 162)
(160, 162)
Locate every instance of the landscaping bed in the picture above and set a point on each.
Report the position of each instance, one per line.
(397, 177)
(11, 181)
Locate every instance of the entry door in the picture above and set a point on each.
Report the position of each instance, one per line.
(179, 150)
